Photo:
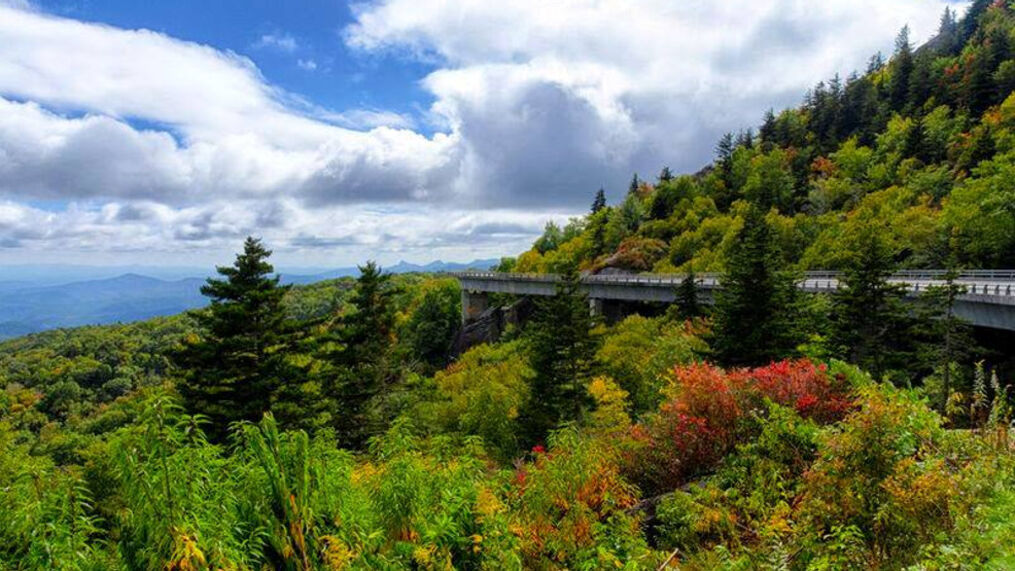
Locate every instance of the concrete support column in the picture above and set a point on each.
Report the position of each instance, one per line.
(473, 305)
(595, 307)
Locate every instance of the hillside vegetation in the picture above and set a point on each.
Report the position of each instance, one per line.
(332, 426)
(920, 146)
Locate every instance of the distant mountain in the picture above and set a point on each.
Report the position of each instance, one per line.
(31, 302)
(401, 267)
(129, 297)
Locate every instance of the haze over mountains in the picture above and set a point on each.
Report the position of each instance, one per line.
(37, 298)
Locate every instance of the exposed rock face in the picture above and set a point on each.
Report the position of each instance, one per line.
(488, 327)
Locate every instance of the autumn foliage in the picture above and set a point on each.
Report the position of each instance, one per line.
(704, 418)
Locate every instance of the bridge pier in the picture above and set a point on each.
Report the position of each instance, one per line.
(473, 304)
(596, 307)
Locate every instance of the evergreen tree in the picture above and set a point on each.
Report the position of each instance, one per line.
(233, 370)
(876, 63)
(916, 145)
(951, 340)
(971, 20)
(600, 201)
(367, 334)
(431, 328)
(665, 175)
(871, 325)
(948, 33)
(724, 168)
(921, 80)
(768, 129)
(635, 183)
(688, 306)
(724, 151)
(597, 226)
(981, 88)
(668, 195)
(757, 307)
(902, 70)
(745, 138)
(562, 351)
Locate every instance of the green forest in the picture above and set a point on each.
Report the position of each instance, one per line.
(340, 425)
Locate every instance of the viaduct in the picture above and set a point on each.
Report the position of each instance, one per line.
(988, 300)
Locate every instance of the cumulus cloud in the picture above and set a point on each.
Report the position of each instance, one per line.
(153, 140)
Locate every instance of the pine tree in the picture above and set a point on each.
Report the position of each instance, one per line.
(757, 307)
(916, 145)
(562, 350)
(948, 33)
(902, 69)
(688, 306)
(971, 19)
(768, 129)
(876, 63)
(665, 175)
(950, 337)
(233, 370)
(635, 184)
(872, 326)
(432, 327)
(597, 226)
(361, 367)
(600, 201)
(724, 168)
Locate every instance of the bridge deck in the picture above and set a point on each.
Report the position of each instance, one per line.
(988, 299)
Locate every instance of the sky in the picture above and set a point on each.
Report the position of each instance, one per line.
(163, 133)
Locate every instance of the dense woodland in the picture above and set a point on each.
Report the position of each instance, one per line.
(333, 426)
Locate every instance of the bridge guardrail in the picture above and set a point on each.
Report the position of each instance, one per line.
(975, 282)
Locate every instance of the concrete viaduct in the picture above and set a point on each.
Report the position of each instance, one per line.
(988, 300)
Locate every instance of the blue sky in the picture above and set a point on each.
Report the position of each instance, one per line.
(297, 46)
(165, 132)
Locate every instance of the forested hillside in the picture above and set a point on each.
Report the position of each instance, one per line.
(920, 147)
(333, 426)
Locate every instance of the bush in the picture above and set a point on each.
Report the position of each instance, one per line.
(708, 414)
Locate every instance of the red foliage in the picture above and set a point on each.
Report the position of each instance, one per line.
(692, 432)
(803, 386)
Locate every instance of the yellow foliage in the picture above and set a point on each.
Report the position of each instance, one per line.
(611, 405)
(187, 556)
(337, 554)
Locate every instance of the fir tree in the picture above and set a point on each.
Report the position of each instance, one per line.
(876, 63)
(665, 175)
(432, 326)
(597, 227)
(363, 371)
(950, 337)
(757, 307)
(902, 69)
(562, 350)
(600, 201)
(232, 372)
(768, 128)
(948, 33)
(872, 326)
(971, 19)
(635, 184)
(688, 306)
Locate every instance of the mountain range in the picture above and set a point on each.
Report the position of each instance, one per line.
(34, 300)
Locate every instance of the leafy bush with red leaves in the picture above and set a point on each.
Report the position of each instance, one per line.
(703, 420)
(804, 386)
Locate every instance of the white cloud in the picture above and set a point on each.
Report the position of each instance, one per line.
(306, 64)
(281, 42)
(157, 142)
